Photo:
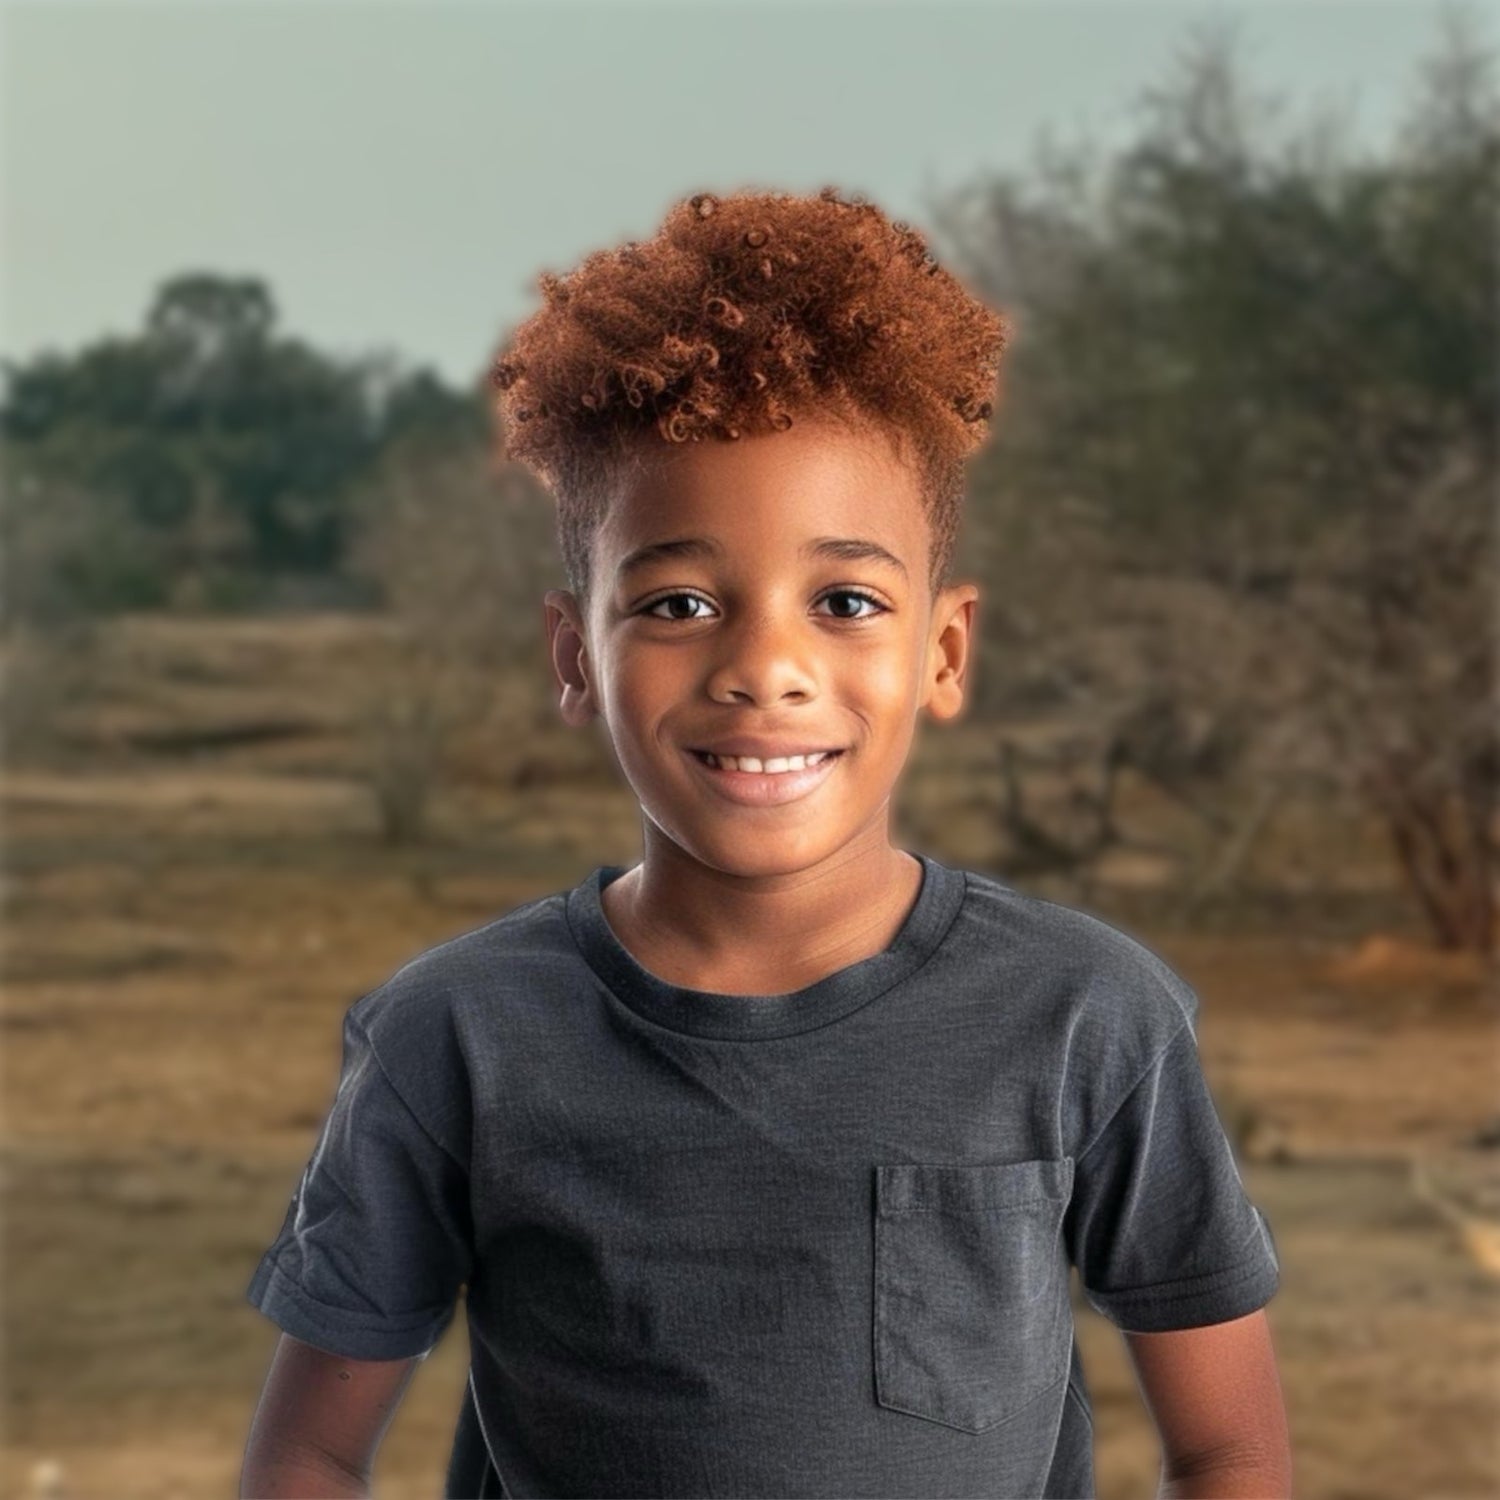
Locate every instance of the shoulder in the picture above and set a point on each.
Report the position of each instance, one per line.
(1111, 999)
(421, 1022)
(439, 981)
(1097, 1005)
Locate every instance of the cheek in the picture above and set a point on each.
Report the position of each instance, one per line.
(642, 691)
(883, 680)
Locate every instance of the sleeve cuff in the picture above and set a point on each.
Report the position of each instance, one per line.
(1193, 1303)
(334, 1329)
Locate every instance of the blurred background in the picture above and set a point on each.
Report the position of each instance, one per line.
(277, 708)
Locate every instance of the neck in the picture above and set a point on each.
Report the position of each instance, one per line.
(708, 929)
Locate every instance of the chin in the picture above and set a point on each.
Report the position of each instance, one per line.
(761, 856)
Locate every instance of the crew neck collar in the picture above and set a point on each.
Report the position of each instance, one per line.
(708, 1013)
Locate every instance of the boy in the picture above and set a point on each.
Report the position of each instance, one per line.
(764, 1162)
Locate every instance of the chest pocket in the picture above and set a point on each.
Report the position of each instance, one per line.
(973, 1316)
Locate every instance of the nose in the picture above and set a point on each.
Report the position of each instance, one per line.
(762, 661)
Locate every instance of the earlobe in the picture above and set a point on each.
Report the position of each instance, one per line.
(566, 650)
(577, 699)
(945, 699)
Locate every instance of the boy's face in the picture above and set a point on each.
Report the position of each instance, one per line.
(773, 640)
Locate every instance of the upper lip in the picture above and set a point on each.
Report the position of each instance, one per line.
(764, 749)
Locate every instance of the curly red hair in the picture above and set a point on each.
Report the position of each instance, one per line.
(739, 316)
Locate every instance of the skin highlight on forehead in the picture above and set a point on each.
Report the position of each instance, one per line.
(728, 505)
(849, 549)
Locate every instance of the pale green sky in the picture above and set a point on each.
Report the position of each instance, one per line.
(399, 172)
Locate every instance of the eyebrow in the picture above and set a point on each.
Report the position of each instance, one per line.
(845, 548)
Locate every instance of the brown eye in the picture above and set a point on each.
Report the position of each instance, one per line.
(855, 594)
(656, 604)
(650, 610)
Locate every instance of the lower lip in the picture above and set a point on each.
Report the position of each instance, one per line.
(766, 788)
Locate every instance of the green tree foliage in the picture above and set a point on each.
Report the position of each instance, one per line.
(230, 448)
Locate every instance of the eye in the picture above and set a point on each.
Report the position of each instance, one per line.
(651, 608)
(855, 594)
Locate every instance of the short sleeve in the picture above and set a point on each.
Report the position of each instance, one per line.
(1159, 1225)
(377, 1241)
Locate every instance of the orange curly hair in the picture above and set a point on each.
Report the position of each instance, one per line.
(741, 314)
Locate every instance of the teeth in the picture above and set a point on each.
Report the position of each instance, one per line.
(768, 767)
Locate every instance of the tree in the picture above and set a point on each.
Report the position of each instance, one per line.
(453, 549)
(1273, 373)
(238, 448)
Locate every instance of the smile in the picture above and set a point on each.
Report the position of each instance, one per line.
(766, 788)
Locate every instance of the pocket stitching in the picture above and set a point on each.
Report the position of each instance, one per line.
(987, 1208)
(970, 1184)
(1005, 1416)
(887, 1363)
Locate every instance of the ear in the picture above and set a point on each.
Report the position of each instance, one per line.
(567, 649)
(950, 650)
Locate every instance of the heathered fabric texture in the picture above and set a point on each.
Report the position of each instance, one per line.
(814, 1244)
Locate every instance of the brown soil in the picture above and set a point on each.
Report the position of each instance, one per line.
(184, 935)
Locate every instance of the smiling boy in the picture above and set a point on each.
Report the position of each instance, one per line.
(765, 1161)
(759, 880)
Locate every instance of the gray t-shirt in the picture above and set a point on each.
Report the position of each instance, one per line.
(814, 1244)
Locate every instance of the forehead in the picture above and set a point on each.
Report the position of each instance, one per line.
(768, 495)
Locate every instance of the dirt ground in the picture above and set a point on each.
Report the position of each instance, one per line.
(183, 933)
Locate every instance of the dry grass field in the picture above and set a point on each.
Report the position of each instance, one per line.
(192, 903)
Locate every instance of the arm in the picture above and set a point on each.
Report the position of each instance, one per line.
(376, 1246)
(320, 1421)
(1215, 1396)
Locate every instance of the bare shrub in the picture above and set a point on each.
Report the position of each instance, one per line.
(458, 559)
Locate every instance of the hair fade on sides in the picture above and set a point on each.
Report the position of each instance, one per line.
(741, 315)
